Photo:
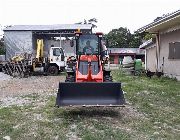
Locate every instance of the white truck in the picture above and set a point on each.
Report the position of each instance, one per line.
(22, 66)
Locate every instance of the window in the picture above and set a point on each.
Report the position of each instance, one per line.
(56, 52)
(174, 50)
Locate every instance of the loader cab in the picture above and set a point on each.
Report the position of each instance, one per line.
(88, 44)
(88, 50)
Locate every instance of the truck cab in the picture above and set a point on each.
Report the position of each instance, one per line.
(56, 60)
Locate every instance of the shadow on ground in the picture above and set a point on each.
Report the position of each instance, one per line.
(86, 112)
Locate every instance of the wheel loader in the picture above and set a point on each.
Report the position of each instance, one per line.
(87, 82)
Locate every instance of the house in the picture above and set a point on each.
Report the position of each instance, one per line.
(163, 54)
(117, 54)
(22, 38)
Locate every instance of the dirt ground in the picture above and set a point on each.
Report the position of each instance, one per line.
(12, 89)
(37, 90)
(23, 86)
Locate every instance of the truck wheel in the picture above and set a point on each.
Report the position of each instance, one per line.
(52, 70)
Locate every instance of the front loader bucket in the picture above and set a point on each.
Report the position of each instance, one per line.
(90, 94)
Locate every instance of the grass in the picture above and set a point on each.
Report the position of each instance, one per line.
(152, 113)
(30, 122)
(158, 99)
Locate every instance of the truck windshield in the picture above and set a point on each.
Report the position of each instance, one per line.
(88, 44)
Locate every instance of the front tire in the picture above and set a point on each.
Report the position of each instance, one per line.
(108, 78)
(70, 78)
(52, 70)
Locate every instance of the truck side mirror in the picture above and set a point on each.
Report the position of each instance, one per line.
(72, 43)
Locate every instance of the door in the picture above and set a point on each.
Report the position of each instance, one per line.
(57, 57)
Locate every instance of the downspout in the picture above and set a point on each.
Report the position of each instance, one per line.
(157, 51)
(145, 59)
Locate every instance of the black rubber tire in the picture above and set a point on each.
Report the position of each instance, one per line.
(108, 78)
(52, 70)
(70, 78)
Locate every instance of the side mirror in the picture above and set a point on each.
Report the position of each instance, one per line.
(72, 43)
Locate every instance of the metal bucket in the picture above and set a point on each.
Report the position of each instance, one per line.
(90, 94)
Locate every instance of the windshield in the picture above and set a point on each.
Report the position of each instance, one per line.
(88, 44)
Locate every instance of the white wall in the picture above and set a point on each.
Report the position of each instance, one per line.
(151, 58)
(171, 66)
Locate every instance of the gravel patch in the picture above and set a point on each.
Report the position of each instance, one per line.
(9, 101)
(4, 77)
(34, 84)
(20, 92)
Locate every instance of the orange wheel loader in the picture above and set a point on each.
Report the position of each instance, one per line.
(87, 82)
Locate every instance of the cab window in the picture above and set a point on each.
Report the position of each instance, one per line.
(56, 52)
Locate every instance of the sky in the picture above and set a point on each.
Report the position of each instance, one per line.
(111, 14)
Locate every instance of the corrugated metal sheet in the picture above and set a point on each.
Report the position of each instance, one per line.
(48, 27)
(2, 58)
(18, 42)
(65, 44)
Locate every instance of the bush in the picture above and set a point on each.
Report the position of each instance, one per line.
(2, 47)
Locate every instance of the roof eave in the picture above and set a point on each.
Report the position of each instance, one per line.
(147, 43)
(154, 27)
(164, 25)
(48, 27)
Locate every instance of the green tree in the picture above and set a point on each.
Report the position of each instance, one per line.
(135, 41)
(2, 47)
(119, 37)
(147, 36)
(122, 38)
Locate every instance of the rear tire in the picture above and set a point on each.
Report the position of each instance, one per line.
(52, 70)
(70, 78)
(108, 78)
